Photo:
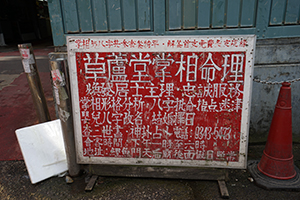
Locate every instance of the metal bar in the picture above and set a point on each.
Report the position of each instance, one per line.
(159, 17)
(59, 72)
(57, 22)
(262, 18)
(30, 68)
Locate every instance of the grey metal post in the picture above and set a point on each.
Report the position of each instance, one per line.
(30, 68)
(59, 72)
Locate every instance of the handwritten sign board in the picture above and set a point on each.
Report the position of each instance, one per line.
(162, 101)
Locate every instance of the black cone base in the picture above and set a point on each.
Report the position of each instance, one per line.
(269, 183)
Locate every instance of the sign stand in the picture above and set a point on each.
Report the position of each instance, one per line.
(193, 173)
(210, 174)
(223, 189)
(164, 106)
(91, 183)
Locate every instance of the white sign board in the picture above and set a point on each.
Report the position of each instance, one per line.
(165, 100)
(43, 150)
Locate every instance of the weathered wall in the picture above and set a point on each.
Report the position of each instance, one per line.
(275, 60)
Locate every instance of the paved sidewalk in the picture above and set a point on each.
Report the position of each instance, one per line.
(17, 111)
(16, 104)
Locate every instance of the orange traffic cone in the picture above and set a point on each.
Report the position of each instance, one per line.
(277, 159)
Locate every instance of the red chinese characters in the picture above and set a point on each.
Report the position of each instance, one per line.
(156, 44)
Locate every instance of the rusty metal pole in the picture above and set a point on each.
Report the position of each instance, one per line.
(59, 73)
(30, 68)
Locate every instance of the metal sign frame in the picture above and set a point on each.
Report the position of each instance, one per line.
(161, 44)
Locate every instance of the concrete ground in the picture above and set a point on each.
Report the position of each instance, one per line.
(15, 182)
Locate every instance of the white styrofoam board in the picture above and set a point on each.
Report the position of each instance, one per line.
(43, 150)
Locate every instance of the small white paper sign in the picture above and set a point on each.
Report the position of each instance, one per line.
(43, 150)
(31, 59)
(26, 65)
(25, 53)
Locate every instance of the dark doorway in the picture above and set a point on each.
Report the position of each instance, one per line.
(24, 21)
